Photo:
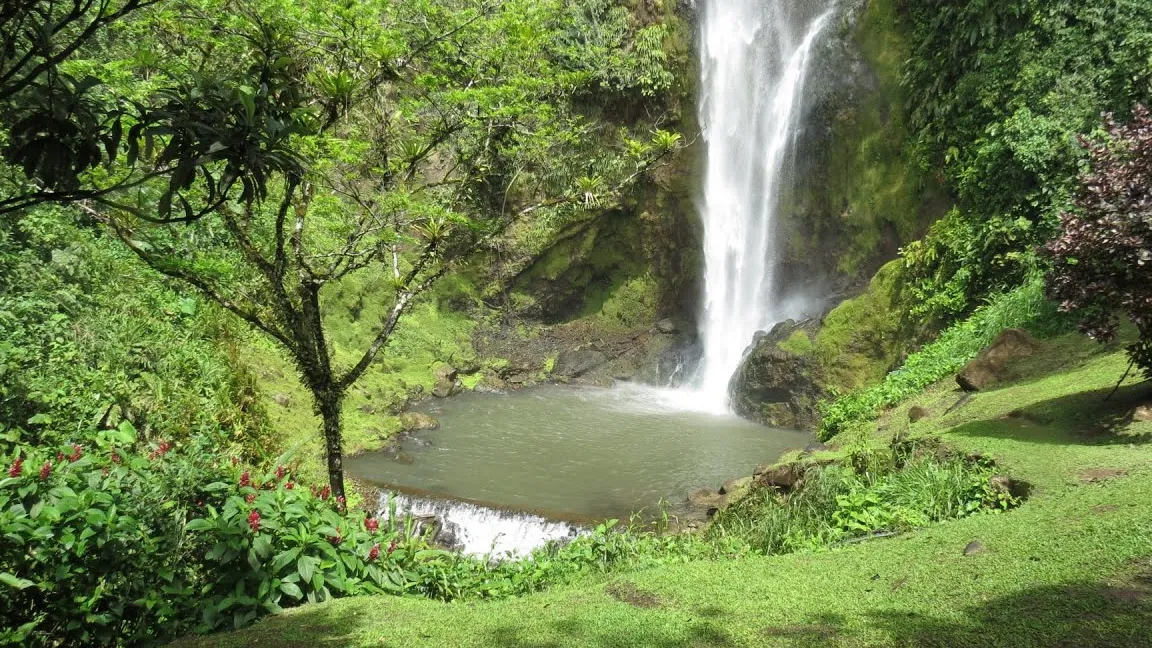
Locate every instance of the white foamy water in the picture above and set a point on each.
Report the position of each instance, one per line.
(754, 55)
(479, 530)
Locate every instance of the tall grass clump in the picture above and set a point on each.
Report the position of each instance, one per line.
(870, 494)
(1025, 307)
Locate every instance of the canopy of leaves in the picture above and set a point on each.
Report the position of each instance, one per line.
(998, 91)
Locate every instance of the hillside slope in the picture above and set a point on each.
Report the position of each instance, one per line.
(1072, 566)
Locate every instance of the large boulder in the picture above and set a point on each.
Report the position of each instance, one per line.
(447, 382)
(418, 421)
(576, 363)
(778, 382)
(781, 477)
(993, 365)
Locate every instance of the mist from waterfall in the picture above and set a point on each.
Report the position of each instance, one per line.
(754, 55)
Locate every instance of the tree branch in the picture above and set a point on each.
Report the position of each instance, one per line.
(199, 283)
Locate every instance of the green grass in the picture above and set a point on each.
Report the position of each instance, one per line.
(1025, 307)
(1072, 566)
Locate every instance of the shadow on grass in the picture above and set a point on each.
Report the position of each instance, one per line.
(1077, 615)
(334, 625)
(700, 633)
(1084, 418)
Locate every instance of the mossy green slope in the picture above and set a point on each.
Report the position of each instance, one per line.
(1070, 567)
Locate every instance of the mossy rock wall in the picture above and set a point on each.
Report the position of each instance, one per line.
(857, 195)
(640, 261)
(864, 338)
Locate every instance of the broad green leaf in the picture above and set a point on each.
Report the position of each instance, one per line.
(292, 589)
(306, 566)
(15, 581)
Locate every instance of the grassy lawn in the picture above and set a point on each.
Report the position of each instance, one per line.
(1070, 567)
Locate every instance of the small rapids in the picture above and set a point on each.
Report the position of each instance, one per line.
(478, 530)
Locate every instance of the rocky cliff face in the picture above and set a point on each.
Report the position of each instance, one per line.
(603, 281)
(856, 196)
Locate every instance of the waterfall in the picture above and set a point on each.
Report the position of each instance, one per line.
(753, 68)
(479, 530)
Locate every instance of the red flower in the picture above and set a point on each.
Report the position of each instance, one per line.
(251, 498)
(289, 486)
(17, 467)
(45, 470)
(245, 479)
(60, 457)
(77, 452)
(340, 505)
(161, 449)
(374, 552)
(325, 492)
(254, 521)
(280, 472)
(115, 457)
(372, 524)
(336, 539)
(392, 546)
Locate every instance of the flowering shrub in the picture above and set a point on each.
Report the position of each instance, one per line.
(266, 545)
(109, 542)
(166, 539)
(93, 550)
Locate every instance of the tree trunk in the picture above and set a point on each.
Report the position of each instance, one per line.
(330, 410)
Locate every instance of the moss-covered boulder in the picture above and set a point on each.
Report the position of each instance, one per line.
(865, 337)
(779, 382)
(790, 369)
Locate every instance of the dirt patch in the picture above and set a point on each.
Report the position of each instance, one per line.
(1097, 475)
(626, 592)
(1101, 509)
(1135, 588)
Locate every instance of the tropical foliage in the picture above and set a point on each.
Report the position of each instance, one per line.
(997, 92)
(1024, 307)
(1102, 260)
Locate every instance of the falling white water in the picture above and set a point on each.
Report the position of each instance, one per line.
(753, 68)
(481, 531)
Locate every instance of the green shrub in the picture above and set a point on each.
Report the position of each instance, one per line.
(1024, 307)
(873, 493)
(94, 550)
(89, 338)
(105, 545)
(997, 90)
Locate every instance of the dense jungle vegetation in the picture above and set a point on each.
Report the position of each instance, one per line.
(210, 206)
